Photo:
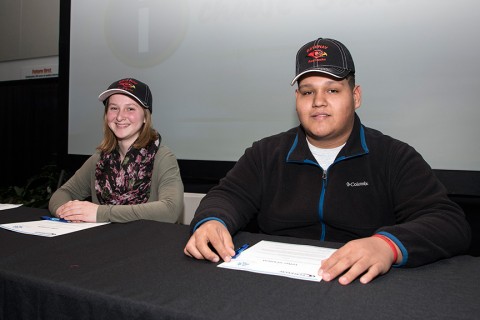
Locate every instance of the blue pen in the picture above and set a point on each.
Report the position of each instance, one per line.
(54, 219)
(240, 250)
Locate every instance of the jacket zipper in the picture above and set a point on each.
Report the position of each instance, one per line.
(322, 195)
(321, 204)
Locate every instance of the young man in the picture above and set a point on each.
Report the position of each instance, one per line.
(334, 179)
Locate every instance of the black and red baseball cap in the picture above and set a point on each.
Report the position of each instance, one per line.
(133, 88)
(327, 56)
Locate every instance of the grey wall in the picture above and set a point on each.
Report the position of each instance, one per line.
(28, 29)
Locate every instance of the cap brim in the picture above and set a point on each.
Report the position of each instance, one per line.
(336, 73)
(107, 93)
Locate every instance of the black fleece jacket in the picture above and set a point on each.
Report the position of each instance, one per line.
(377, 184)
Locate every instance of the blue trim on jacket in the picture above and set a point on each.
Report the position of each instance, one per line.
(399, 245)
(199, 223)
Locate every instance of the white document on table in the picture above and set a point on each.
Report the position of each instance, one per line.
(48, 228)
(5, 206)
(281, 259)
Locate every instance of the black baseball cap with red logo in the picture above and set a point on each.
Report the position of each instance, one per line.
(133, 88)
(327, 56)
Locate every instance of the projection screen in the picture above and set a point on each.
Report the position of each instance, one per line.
(220, 71)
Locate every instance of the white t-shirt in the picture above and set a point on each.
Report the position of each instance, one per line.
(324, 157)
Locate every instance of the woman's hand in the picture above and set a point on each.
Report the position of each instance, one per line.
(78, 211)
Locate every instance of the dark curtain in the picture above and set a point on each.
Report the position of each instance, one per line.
(30, 128)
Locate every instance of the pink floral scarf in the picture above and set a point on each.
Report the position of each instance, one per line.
(127, 182)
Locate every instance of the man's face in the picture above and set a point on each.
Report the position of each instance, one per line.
(326, 109)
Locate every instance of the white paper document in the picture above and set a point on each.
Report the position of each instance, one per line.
(281, 259)
(5, 206)
(48, 228)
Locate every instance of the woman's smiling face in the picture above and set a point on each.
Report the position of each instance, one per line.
(125, 117)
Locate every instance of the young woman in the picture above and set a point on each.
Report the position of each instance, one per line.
(131, 176)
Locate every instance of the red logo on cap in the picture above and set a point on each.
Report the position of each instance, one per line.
(317, 54)
(127, 85)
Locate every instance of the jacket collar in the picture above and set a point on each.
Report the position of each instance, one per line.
(356, 145)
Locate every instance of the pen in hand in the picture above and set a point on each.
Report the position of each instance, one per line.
(240, 250)
(54, 219)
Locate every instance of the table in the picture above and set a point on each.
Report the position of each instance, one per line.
(138, 270)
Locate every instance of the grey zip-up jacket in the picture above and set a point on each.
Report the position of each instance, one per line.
(377, 184)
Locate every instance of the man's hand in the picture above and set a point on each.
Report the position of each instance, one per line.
(78, 211)
(217, 235)
(366, 257)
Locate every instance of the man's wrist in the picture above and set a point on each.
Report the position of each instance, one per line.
(391, 244)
